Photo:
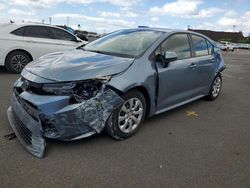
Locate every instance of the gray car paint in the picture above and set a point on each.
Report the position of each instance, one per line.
(164, 87)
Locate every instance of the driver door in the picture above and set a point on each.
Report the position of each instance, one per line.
(177, 79)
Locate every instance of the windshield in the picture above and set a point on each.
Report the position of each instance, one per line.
(128, 43)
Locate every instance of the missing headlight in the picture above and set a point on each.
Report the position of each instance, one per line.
(79, 91)
(86, 90)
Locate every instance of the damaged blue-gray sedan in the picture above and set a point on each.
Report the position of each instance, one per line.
(112, 84)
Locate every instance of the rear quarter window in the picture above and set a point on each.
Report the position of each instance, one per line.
(18, 32)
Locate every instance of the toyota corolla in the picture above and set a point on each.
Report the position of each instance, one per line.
(112, 84)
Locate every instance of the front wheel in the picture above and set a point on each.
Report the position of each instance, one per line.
(215, 88)
(125, 121)
(16, 61)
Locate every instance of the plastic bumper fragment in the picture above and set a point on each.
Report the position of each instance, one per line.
(26, 129)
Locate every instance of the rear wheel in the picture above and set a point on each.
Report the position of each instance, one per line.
(125, 121)
(215, 88)
(16, 61)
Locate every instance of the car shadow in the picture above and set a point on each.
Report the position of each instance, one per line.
(3, 70)
(182, 108)
(104, 138)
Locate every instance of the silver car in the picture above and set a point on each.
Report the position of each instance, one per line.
(112, 84)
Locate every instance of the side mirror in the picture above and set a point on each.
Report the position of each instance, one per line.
(77, 39)
(170, 56)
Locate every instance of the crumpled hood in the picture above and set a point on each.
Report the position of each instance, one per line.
(76, 65)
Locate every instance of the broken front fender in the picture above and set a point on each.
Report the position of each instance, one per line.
(84, 119)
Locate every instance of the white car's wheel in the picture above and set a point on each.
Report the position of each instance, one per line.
(16, 61)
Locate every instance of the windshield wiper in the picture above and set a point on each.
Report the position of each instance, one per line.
(81, 47)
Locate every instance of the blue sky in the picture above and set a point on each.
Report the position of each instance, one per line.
(109, 15)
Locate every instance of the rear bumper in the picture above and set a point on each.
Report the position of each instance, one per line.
(28, 131)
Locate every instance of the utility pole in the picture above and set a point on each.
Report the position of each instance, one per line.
(67, 21)
(43, 21)
(50, 20)
(234, 26)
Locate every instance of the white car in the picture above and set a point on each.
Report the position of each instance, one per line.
(23, 43)
(227, 46)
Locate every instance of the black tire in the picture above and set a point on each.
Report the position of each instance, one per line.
(212, 96)
(112, 127)
(16, 61)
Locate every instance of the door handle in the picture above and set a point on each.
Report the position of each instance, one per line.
(192, 65)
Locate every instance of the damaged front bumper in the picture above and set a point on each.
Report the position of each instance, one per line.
(35, 117)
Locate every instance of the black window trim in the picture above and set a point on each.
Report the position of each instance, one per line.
(51, 35)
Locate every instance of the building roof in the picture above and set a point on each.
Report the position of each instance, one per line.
(221, 35)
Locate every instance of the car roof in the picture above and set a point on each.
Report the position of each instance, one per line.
(170, 31)
(12, 26)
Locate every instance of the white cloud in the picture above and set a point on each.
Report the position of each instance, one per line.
(50, 3)
(154, 19)
(230, 13)
(209, 12)
(123, 12)
(18, 12)
(225, 21)
(185, 9)
(177, 8)
(129, 14)
(118, 23)
(207, 26)
(37, 4)
(241, 23)
(2, 7)
(110, 14)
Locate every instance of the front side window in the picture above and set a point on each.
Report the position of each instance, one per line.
(126, 43)
(37, 32)
(179, 44)
(200, 45)
(62, 35)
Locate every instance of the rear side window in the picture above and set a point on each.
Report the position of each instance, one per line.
(200, 45)
(179, 44)
(18, 32)
(37, 31)
(62, 35)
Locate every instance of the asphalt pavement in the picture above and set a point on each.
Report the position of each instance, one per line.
(202, 144)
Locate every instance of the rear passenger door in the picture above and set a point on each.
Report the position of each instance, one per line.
(40, 41)
(205, 63)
